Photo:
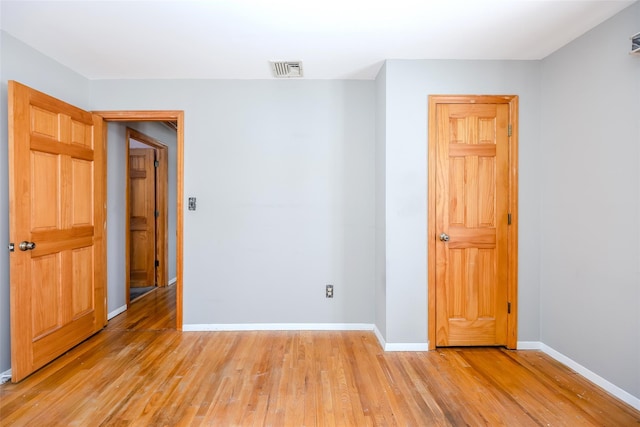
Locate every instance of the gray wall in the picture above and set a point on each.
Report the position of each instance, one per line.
(22, 63)
(116, 204)
(284, 176)
(381, 198)
(408, 85)
(590, 223)
(116, 216)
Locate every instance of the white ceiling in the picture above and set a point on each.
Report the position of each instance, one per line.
(335, 39)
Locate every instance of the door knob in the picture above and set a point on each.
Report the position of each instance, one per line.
(444, 237)
(27, 246)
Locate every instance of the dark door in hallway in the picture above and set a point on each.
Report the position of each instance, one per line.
(142, 218)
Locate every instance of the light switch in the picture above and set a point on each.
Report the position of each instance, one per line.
(192, 203)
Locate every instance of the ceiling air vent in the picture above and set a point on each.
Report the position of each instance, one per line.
(286, 69)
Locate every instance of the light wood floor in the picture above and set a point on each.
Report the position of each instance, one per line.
(139, 371)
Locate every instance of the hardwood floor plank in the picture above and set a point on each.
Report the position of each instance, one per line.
(140, 371)
(578, 392)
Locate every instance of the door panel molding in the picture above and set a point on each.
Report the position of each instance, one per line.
(176, 116)
(433, 203)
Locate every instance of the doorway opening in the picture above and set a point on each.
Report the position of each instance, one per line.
(173, 118)
(148, 264)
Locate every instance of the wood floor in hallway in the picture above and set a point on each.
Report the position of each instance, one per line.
(139, 371)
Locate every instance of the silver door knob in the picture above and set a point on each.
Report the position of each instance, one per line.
(27, 246)
(444, 237)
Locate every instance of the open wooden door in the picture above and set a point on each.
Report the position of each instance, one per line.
(57, 208)
(142, 217)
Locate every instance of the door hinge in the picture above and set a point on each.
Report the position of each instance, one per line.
(157, 213)
(509, 130)
(509, 219)
(156, 164)
(157, 263)
(12, 247)
(508, 308)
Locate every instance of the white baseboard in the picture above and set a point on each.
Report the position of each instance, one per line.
(278, 327)
(307, 327)
(117, 311)
(5, 376)
(378, 334)
(406, 346)
(592, 376)
(173, 281)
(529, 345)
(391, 346)
(578, 368)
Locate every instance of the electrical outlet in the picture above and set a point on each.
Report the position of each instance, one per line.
(329, 292)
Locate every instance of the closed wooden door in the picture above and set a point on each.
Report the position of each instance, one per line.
(57, 207)
(472, 221)
(142, 217)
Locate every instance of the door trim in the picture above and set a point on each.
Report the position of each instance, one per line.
(162, 116)
(512, 247)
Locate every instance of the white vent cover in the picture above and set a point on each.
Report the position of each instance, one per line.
(286, 69)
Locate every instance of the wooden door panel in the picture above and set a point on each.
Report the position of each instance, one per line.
(56, 197)
(471, 207)
(467, 237)
(81, 134)
(464, 332)
(45, 281)
(81, 186)
(44, 122)
(45, 174)
(470, 275)
(82, 280)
